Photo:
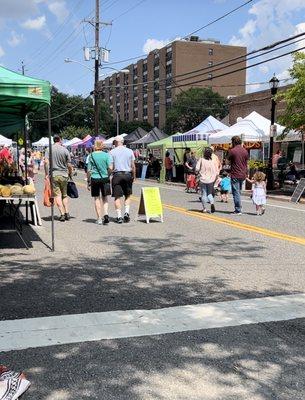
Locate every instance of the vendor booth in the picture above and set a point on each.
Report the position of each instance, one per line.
(135, 135)
(5, 141)
(20, 95)
(43, 142)
(202, 131)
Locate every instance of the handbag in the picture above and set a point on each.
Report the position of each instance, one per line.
(47, 193)
(72, 189)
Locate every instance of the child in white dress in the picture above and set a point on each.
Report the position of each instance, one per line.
(259, 192)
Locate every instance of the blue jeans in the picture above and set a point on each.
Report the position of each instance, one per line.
(236, 189)
(207, 190)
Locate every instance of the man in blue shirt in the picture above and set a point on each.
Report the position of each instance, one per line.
(124, 173)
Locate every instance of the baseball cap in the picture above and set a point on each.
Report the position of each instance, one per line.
(119, 138)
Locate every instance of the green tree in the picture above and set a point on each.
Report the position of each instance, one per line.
(72, 131)
(68, 111)
(130, 126)
(294, 97)
(192, 106)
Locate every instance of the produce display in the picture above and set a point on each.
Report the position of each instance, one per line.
(16, 190)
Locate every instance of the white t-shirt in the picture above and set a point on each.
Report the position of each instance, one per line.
(122, 158)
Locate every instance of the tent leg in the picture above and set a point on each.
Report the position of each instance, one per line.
(26, 165)
(51, 179)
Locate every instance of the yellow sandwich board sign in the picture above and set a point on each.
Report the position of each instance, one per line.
(150, 203)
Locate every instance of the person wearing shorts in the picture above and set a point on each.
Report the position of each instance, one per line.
(98, 181)
(62, 169)
(124, 173)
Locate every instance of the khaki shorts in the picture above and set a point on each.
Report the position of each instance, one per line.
(60, 184)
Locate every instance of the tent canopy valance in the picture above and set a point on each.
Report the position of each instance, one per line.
(20, 95)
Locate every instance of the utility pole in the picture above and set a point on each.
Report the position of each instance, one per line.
(96, 68)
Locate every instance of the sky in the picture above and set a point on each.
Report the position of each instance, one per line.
(43, 33)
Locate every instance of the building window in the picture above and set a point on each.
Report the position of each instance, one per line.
(145, 100)
(169, 49)
(210, 63)
(156, 74)
(210, 76)
(168, 69)
(168, 82)
(168, 93)
(211, 51)
(144, 78)
(144, 112)
(144, 67)
(156, 121)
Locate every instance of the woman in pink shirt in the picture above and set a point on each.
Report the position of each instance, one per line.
(207, 172)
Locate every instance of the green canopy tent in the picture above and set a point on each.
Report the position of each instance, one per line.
(179, 147)
(20, 95)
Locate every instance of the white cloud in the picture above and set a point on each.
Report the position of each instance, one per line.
(264, 69)
(35, 24)
(152, 44)
(2, 52)
(15, 39)
(58, 8)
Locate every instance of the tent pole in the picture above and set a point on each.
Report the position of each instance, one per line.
(26, 164)
(51, 178)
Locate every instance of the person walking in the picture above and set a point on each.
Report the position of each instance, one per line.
(168, 162)
(259, 192)
(124, 174)
(238, 158)
(207, 173)
(62, 170)
(98, 171)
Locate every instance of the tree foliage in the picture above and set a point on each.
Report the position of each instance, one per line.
(130, 126)
(73, 111)
(192, 106)
(72, 131)
(294, 97)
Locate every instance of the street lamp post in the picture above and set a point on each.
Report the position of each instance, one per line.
(274, 82)
(117, 122)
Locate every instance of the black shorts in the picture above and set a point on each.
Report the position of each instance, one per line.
(100, 186)
(224, 191)
(122, 184)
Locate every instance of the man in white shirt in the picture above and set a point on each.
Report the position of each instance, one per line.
(124, 173)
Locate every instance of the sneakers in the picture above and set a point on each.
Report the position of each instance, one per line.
(119, 220)
(126, 217)
(62, 218)
(212, 208)
(99, 221)
(204, 210)
(106, 220)
(67, 216)
(237, 213)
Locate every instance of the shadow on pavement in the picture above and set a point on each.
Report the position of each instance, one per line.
(257, 362)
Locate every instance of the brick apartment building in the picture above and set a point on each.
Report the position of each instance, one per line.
(260, 101)
(149, 89)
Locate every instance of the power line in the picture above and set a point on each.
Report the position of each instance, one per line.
(129, 9)
(62, 114)
(189, 34)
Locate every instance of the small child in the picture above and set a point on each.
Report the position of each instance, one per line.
(259, 192)
(225, 186)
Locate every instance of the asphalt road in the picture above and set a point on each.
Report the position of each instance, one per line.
(189, 259)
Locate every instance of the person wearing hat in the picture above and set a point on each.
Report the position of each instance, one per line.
(124, 174)
(98, 170)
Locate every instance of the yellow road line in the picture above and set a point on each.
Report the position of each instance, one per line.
(234, 224)
(228, 222)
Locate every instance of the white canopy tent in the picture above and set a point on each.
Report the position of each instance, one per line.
(5, 141)
(264, 123)
(202, 131)
(109, 142)
(72, 142)
(246, 129)
(253, 128)
(43, 142)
